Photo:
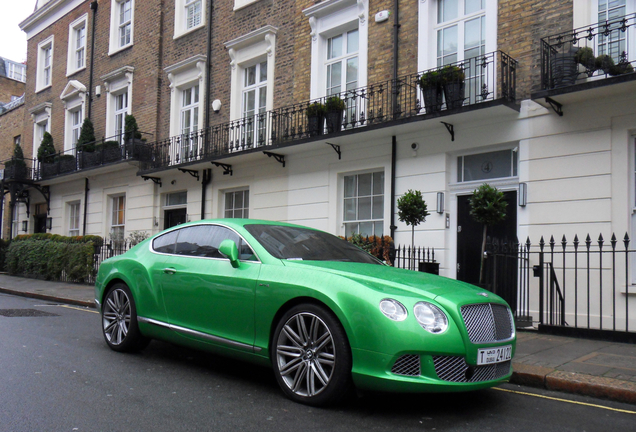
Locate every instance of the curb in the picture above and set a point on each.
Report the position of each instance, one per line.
(570, 382)
(89, 304)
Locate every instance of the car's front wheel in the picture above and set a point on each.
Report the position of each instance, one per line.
(119, 320)
(311, 356)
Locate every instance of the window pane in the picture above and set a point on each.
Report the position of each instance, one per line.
(349, 186)
(352, 41)
(364, 208)
(488, 165)
(250, 76)
(263, 71)
(352, 73)
(366, 228)
(334, 78)
(447, 10)
(379, 229)
(472, 33)
(351, 229)
(473, 6)
(378, 207)
(378, 183)
(364, 185)
(334, 47)
(350, 209)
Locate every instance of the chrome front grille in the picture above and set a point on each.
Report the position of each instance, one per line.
(455, 369)
(487, 322)
(408, 365)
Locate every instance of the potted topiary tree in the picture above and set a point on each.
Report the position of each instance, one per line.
(315, 118)
(334, 111)
(46, 156)
(16, 168)
(453, 78)
(431, 84)
(86, 144)
(604, 63)
(135, 146)
(413, 210)
(109, 150)
(585, 57)
(488, 207)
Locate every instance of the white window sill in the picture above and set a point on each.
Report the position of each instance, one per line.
(120, 49)
(240, 4)
(38, 90)
(73, 72)
(182, 33)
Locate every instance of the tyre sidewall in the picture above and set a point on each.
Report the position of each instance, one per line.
(133, 341)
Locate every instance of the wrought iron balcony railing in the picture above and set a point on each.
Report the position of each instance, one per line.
(97, 153)
(434, 92)
(588, 53)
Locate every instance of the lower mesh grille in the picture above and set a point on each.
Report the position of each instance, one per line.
(455, 369)
(408, 365)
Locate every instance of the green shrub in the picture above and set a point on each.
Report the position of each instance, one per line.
(86, 140)
(46, 149)
(379, 247)
(431, 79)
(334, 103)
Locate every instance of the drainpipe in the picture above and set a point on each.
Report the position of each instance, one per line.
(90, 75)
(208, 81)
(86, 189)
(396, 29)
(207, 178)
(393, 157)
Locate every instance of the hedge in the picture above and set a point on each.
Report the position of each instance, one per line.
(52, 257)
(380, 247)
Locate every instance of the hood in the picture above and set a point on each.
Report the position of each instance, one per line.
(400, 282)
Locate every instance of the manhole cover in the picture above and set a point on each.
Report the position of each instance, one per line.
(13, 313)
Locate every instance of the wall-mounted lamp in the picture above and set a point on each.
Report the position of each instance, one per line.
(440, 202)
(98, 91)
(216, 106)
(25, 226)
(523, 194)
(49, 223)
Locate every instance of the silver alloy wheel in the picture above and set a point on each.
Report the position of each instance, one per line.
(305, 354)
(116, 316)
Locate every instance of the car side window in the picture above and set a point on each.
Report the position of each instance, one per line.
(204, 241)
(165, 243)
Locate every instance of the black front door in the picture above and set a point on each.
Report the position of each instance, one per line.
(174, 217)
(39, 223)
(469, 239)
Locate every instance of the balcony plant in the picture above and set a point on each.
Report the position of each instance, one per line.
(16, 168)
(109, 150)
(604, 63)
(315, 118)
(335, 110)
(66, 163)
(453, 84)
(86, 144)
(412, 210)
(585, 57)
(46, 156)
(431, 84)
(621, 68)
(135, 145)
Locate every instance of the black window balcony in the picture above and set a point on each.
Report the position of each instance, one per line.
(587, 58)
(467, 85)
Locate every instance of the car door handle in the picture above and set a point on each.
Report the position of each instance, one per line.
(169, 270)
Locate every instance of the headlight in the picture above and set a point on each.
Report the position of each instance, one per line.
(430, 317)
(393, 309)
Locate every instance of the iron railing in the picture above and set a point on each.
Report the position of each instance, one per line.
(588, 53)
(485, 78)
(569, 287)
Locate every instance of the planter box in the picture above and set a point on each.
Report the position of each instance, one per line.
(563, 69)
(315, 125)
(432, 99)
(334, 121)
(66, 164)
(48, 169)
(454, 94)
(91, 159)
(15, 172)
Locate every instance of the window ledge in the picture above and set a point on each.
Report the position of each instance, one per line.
(182, 33)
(120, 49)
(73, 72)
(38, 90)
(241, 4)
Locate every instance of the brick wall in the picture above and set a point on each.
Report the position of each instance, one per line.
(10, 87)
(12, 124)
(522, 24)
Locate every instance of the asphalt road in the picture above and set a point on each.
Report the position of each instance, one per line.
(57, 374)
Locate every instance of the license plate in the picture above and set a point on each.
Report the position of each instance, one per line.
(494, 355)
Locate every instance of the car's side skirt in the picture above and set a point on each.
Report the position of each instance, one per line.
(205, 336)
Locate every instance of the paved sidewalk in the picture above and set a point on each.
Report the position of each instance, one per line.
(594, 368)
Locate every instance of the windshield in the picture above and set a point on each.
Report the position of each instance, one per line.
(294, 243)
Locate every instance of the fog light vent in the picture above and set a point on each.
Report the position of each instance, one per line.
(408, 365)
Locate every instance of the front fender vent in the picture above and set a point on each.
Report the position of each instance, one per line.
(408, 365)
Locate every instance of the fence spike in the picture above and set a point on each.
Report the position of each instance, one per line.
(613, 241)
(576, 242)
(600, 241)
(528, 244)
(588, 241)
(541, 243)
(626, 241)
(564, 242)
(552, 242)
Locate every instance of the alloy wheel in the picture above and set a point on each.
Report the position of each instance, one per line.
(116, 316)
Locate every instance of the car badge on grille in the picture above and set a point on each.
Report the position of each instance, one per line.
(483, 294)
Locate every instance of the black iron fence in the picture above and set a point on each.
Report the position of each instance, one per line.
(570, 287)
(473, 81)
(587, 53)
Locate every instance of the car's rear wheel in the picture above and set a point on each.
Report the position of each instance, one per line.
(311, 356)
(119, 320)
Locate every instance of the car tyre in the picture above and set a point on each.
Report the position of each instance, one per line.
(311, 356)
(119, 321)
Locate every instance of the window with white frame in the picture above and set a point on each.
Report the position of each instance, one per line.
(73, 218)
(237, 204)
(120, 111)
(122, 17)
(614, 44)
(254, 105)
(41, 115)
(189, 16)
(189, 122)
(76, 120)
(73, 97)
(44, 64)
(252, 61)
(76, 57)
(364, 204)
(118, 217)
(187, 96)
(486, 166)
(16, 71)
(339, 32)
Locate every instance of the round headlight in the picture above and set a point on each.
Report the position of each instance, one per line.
(430, 317)
(393, 309)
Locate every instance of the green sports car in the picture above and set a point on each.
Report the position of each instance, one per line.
(323, 313)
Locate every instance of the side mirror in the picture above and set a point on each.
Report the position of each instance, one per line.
(230, 250)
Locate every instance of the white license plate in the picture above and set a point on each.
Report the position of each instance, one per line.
(494, 355)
